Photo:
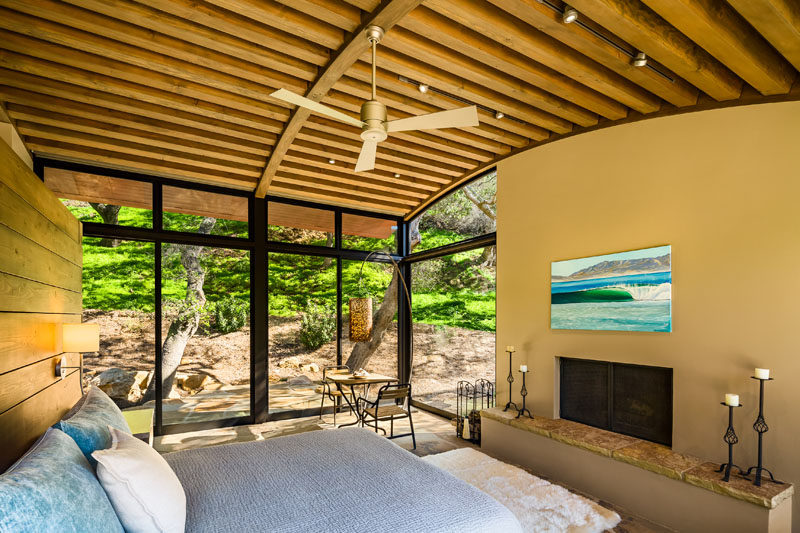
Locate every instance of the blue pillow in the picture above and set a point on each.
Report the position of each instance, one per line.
(53, 488)
(88, 425)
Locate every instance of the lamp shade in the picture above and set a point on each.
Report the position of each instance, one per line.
(360, 319)
(81, 338)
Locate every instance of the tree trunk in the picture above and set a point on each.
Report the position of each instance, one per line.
(110, 215)
(329, 244)
(186, 323)
(363, 351)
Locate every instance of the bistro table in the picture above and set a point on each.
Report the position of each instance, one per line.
(349, 380)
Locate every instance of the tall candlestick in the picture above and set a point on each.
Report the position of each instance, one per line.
(524, 393)
(761, 427)
(731, 438)
(510, 379)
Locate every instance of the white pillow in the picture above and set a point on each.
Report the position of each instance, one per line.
(145, 492)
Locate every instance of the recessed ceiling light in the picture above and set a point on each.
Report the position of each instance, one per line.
(499, 114)
(396, 175)
(332, 161)
(423, 88)
(639, 60)
(570, 14)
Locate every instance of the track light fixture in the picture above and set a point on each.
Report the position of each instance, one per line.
(499, 114)
(423, 88)
(569, 15)
(639, 60)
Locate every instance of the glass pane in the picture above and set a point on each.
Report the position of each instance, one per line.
(379, 354)
(368, 233)
(119, 295)
(93, 198)
(454, 320)
(206, 333)
(302, 328)
(194, 211)
(468, 212)
(300, 225)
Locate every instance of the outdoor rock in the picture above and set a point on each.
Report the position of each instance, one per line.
(302, 379)
(290, 362)
(194, 382)
(119, 384)
(310, 367)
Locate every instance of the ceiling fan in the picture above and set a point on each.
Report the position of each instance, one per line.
(373, 123)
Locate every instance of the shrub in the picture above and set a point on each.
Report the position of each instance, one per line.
(230, 314)
(317, 326)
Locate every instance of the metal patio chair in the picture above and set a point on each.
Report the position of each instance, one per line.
(398, 409)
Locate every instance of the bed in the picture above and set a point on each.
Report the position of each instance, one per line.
(343, 480)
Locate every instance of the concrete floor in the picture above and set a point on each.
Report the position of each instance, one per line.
(434, 434)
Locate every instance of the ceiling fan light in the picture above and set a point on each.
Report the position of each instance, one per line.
(499, 114)
(423, 88)
(639, 60)
(570, 14)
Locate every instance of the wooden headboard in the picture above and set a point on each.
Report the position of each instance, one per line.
(40, 289)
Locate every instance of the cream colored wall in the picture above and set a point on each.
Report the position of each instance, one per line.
(723, 188)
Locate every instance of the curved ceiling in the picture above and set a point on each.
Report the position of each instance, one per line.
(181, 87)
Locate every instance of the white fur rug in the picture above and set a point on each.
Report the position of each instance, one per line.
(539, 505)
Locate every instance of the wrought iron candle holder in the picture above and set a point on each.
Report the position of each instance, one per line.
(524, 393)
(761, 427)
(731, 438)
(510, 380)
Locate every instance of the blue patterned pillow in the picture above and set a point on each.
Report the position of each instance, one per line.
(53, 488)
(88, 426)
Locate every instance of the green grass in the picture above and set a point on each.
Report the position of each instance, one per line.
(123, 277)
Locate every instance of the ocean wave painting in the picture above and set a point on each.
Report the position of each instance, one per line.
(626, 291)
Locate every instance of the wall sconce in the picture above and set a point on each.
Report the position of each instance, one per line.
(77, 338)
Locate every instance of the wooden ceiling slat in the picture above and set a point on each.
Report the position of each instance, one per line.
(442, 79)
(69, 122)
(437, 28)
(327, 150)
(778, 21)
(286, 19)
(343, 176)
(643, 28)
(672, 89)
(294, 178)
(26, 103)
(403, 181)
(152, 20)
(53, 133)
(498, 25)
(288, 190)
(198, 118)
(721, 31)
(386, 16)
(424, 49)
(335, 13)
(84, 154)
(242, 27)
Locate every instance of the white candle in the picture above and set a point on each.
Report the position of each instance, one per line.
(732, 399)
(510, 348)
(523, 368)
(762, 373)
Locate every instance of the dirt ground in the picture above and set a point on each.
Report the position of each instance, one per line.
(442, 355)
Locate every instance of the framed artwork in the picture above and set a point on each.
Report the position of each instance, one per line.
(625, 291)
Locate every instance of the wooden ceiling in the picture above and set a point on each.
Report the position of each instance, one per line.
(181, 87)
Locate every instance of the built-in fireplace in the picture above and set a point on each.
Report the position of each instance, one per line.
(635, 400)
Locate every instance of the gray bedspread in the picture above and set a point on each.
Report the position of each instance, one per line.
(323, 481)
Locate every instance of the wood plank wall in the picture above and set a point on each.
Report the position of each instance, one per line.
(40, 289)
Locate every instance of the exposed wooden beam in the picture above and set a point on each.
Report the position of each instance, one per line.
(349, 181)
(444, 31)
(778, 21)
(500, 26)
(646, 30)
(289, 190)
(720, 30)
(386, 16)
(542, 17)
(84, 154)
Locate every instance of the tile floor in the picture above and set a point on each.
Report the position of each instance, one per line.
(434, 435)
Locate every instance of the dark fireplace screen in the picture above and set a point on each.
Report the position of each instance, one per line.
(634, 400)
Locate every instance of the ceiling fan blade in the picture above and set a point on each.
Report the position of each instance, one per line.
(453, 118)
(366, 159)
(316, 107)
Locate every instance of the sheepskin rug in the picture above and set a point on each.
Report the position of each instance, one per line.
(539, 505)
